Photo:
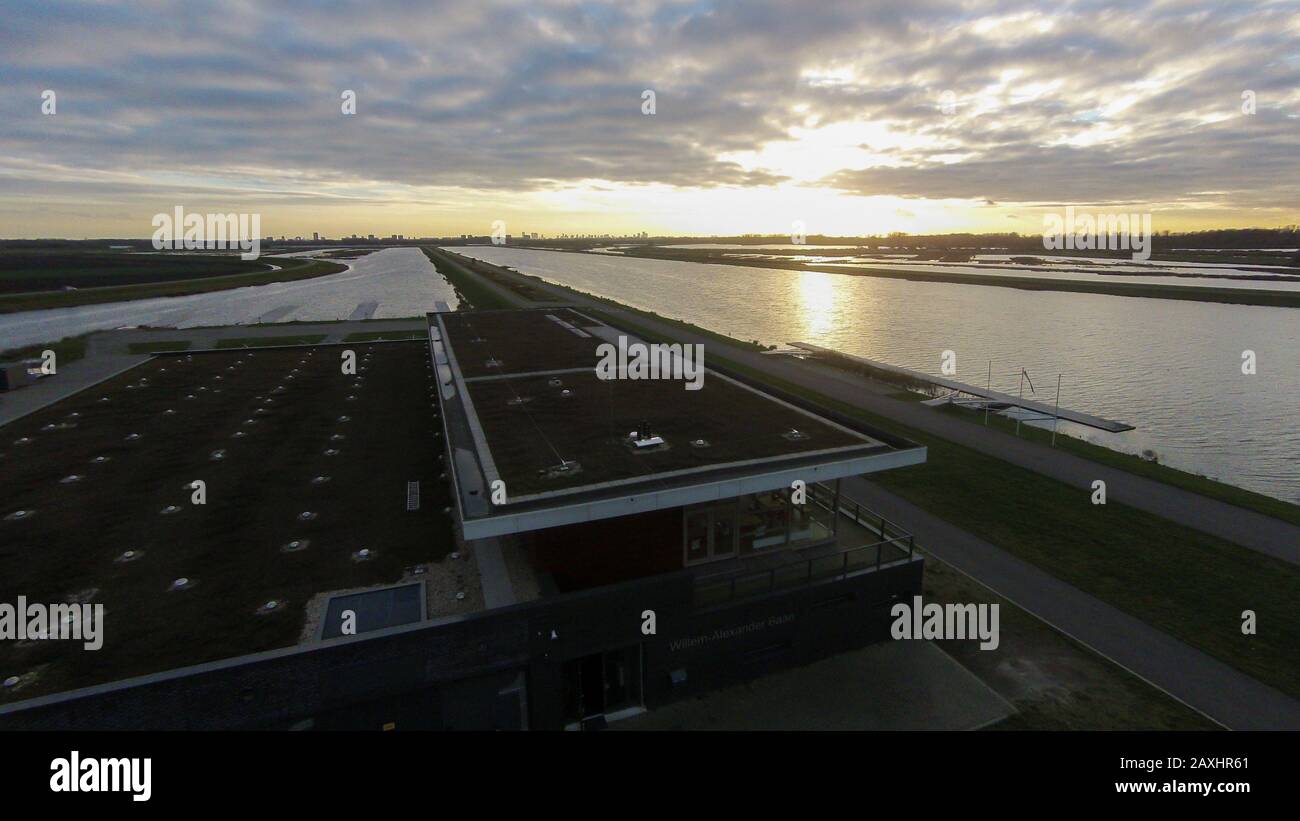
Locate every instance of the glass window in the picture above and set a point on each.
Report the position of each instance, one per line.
(762, 521)
(697, 536)
(724, 532)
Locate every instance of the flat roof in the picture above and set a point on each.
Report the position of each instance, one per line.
(524, 405)
(304, 468)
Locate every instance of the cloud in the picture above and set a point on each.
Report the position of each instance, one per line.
(1083, 102)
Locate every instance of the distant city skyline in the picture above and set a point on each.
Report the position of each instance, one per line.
(710, 118)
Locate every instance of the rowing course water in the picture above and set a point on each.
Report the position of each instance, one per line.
(1173, 368)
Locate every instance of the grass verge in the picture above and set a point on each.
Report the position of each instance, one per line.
(383, 336)
(269, 341)
(1203, 485)
(68, 349)
(158, 347)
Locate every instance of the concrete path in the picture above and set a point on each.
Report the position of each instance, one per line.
(1256, 531)
(1221, 692)
(71, 378)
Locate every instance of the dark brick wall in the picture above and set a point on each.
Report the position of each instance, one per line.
(458, 674)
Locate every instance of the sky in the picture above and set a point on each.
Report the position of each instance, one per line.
(841, 119)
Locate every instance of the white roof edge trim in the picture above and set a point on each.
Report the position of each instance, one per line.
(525, 521)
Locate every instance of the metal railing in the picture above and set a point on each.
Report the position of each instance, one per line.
(894, 545)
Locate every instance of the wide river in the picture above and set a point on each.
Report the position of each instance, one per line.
(1171, 367)
(401, 280)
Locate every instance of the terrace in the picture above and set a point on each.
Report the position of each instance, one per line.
(307, 475)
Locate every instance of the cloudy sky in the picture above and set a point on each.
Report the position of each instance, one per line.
(853, 118)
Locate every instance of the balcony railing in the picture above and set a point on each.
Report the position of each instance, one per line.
(894, 545)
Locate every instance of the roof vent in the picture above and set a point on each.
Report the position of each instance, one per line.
(699, 443)
(794, 435)
(643, 438)
(568, 467)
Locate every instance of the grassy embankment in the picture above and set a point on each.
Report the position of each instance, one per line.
(1204, 485)
(1184, 582)
(467, 281)
(293, 270)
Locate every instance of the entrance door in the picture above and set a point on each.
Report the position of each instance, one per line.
(602, 684)
(710, 533)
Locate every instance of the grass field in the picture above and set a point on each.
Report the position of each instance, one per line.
(1191, 585)
(294, 270)
(30, 270)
